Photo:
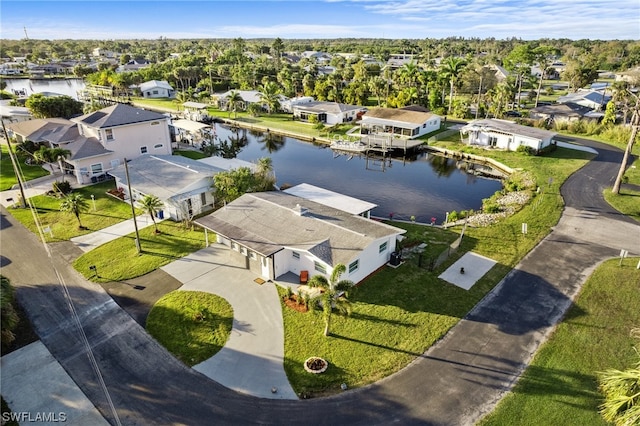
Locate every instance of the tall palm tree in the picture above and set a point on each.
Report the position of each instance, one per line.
(334, 294)
(76, 204)
(635, 125)
(233, 101)
(269, 95)
(151, 204)
(451, 68)
(52, 155)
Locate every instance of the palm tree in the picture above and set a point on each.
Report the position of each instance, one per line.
(8, 316)
(621, 389)
(269, 95)
(451, 68)
(635, 124)
(76, 204)
(151, 204)
(51, 155)
(233, 101)
(334, 294)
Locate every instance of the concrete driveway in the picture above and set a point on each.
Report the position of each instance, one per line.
(251, 360)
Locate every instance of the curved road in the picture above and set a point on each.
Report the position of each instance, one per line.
(455, 382)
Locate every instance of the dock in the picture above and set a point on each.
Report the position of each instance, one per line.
(376, 143)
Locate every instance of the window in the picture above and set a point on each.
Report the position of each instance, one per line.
(155, 92)
(382, 248)
(96, 169)
(253, 256)
(203, 199)
(115, 163)
(295, 255)
(234, 246)
(158, 146)
(353, 266)
(320, 267)
(143, 150)
(109, 134)
(493, 141)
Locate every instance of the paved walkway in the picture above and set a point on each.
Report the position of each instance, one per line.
(38, 186)
(251, 360)
(95, 239)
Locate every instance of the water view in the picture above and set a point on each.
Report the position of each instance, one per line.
(423, 186)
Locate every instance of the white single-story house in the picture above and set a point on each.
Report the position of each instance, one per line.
(248, 97)
(182, 184)
(278, 233)
(327, 112)
(504, 134)
(401, 122)
(13, 114)
(157, 89)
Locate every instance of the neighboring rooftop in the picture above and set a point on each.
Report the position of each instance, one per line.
(118, 115)
(506, 126)
(329, 198)
(399, 115)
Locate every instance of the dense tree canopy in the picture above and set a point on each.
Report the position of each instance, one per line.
(53, 106)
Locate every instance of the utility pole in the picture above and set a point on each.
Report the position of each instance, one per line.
(26, 36)
(133, 209)
(479, 94)
(16, 170)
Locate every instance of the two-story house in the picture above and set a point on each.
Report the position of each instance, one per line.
(100, 141)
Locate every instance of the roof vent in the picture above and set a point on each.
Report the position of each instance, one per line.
(300, 211)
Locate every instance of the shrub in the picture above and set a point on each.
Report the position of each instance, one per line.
(526, 150)
(491, 207)
(289, 292)
(453, 216)
(63, 187)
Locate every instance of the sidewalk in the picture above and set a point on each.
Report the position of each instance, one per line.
(95, 239)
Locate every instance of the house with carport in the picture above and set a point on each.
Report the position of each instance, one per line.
(277, 234)
(507, 135)
(399, 122)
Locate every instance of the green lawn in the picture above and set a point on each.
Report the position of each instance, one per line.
(64, 226)
(192, 325)
(7, 175)
(626, 202)
(560, 385)
(118, 260)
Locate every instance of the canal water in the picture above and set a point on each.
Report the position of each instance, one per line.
(423, 185)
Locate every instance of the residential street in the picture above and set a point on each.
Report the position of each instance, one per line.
(454, 383)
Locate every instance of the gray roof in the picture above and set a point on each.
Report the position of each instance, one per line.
(84, 147)
(147, 85)
(505, 126)
(164, 176)
(328, 107)
(568, 109)
(267, 222)
(118, 115)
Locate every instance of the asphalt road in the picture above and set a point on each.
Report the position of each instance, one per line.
(455, 382)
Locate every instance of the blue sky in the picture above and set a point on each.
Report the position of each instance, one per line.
(412, 19)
